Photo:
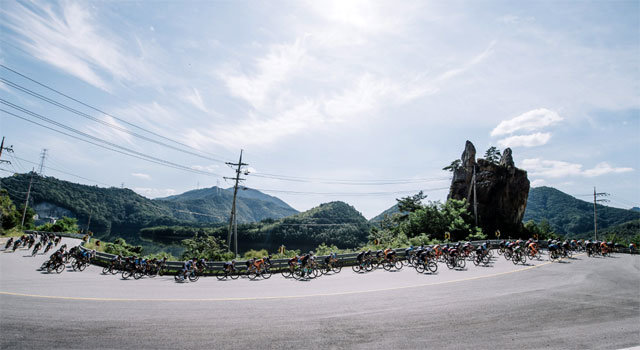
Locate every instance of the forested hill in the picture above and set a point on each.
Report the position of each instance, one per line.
(568, 215)
(111, 209)
(122, 212)
(389, 212)
(332, 223)
(214, 205)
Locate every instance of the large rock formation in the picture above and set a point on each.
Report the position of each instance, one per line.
(501, 189)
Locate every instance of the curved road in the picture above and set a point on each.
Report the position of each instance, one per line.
(580, 303)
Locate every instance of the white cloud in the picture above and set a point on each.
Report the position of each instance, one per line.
(295, 89)
(537, 182)
(208, 168)
(108, 133)
(532, 140)
(154, 192)
(557, 169)
(529, 121)
(604, 168)
(195, 99)
(373, 18)
(271, 70)
(69, 38)
(141, 176)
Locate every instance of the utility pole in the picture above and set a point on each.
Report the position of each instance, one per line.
(595, 211)
(475, 197)
(233, 220)
(8, 149)
(475, 200)
(89, 222)
(26, 202)
(43, 156)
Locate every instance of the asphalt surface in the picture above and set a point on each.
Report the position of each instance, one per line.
(581, 303)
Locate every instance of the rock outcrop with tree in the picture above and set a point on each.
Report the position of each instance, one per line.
(501, 189)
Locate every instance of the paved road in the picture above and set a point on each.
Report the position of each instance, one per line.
(579, 304)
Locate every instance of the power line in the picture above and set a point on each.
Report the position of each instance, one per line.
(124, 151)
(111, 125)
(67, 173)
(354, 194)
(350, 182)
(101, 111)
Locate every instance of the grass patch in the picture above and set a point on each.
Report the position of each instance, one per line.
(14, 232)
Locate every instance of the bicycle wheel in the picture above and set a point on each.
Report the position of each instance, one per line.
(234, 275)
(486, 260)
(476, 261)
(387, 266)
(368, 267)
(420, 268)
(82, 266)
(356, 268)
(137, 275)
(432, 266)
(461, 263)
(105, 270)
(398, 265)
(450, 264)
(221, 276)
(286, 273)
(266, 273)
(337, 268)
(126, 274)
(193, 276)
(60, 268)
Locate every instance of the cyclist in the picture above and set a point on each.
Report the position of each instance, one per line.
(49, 246)
(389, 254)
(6, 246)
(36, 248)
(360, 257)
(533, 248)
(186, 267)
(56, 258)
(229, 267)
(17, 243)
(293, 262)
(201, 265)
(604, 248)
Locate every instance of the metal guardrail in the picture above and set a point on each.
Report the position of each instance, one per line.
(61, 234)
(347, 259)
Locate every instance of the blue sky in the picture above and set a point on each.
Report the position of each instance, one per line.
(336, 95)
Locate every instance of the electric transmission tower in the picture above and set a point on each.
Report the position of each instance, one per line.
(233, 219)
(8, 149)
(43, 156)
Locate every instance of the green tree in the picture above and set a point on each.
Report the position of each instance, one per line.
(455, 165)
(121, 247)
(205, 246)
(62, 225)
(492, 155)
(9, 215)
(410, 204)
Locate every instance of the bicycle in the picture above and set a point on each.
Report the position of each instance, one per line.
(428, 265)
(455, 262)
